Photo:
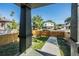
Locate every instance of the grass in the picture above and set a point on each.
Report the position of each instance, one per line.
(9, 49)
(64, 47)
(38, 42)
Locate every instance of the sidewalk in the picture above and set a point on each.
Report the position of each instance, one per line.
(51, 46)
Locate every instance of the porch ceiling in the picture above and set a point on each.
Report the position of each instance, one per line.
(34, 5)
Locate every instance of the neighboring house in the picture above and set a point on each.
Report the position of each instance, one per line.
(3, 25)
(59, 26)
(67, 25)
(48, 25)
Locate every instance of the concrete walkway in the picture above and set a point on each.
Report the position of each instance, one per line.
(51, 46)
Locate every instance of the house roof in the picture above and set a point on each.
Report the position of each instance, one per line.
(49, 21)
(4, 20)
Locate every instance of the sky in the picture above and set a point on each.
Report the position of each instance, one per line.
(7, 8)
(55, 12)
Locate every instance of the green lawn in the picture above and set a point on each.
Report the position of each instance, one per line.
(37, 43)
(64, 47)
(9, 49)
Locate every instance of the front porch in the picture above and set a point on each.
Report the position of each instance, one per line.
(25, 36)
(53, 46)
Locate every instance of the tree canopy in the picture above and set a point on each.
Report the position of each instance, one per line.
(12, 13)
(37, 21)
(12, 25)
(68, 20)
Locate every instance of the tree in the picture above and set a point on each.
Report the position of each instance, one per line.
(12, 13)
(68, 20)
(37, 22)
(12, 25)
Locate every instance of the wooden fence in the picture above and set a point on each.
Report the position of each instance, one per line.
(8, 38)
(49, 33)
